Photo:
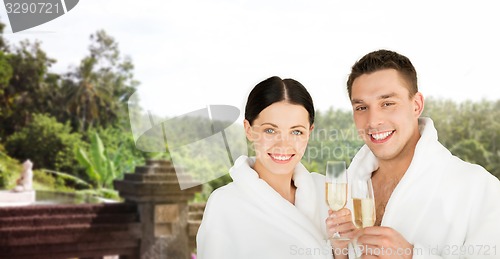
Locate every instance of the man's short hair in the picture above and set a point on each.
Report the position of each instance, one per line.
(384, 59)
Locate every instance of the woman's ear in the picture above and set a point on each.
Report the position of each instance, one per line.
(310, 130)
(418, 101)
(248, 129)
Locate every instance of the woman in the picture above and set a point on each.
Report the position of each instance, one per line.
(274, 208)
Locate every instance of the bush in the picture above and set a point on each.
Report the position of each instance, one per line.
(9, 170)
(4, 177)
(43, 181)
(47, 143)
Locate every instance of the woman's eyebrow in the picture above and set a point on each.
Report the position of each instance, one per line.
(268, 123)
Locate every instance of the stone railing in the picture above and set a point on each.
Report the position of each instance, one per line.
(155, 221)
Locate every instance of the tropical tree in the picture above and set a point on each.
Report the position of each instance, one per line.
(96, 92)
(86, 97)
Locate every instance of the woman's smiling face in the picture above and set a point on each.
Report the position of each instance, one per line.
(280, 135)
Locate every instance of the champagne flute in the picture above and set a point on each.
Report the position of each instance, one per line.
(363, 202)
(336, 188)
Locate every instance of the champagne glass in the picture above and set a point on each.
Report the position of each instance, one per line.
(363, 202)
(363, 206)
(336, 188)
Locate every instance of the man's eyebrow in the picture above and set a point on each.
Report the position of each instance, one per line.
(387, 96)
(381, 97)
(356, 101)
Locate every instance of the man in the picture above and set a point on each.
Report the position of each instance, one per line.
(429, 203)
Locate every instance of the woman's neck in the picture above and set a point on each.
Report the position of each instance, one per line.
(281, 183)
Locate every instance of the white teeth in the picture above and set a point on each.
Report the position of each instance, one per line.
(381, 136)
(281, 158)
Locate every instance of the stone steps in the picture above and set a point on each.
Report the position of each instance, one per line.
(63, 209)
(69, 231)
(195, 216)
(65, 234)
(49, 220)
(196, 211)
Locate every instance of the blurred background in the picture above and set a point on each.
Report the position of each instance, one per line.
(65, 85)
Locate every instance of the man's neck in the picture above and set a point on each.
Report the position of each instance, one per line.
(396, 167)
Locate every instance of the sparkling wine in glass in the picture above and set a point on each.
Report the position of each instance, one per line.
(363, 207)
(336, 188)
(363, 202)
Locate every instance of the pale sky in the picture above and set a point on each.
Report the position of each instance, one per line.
(189, 54)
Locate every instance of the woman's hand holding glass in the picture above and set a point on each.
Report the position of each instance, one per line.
(336, 198)
(340, 222)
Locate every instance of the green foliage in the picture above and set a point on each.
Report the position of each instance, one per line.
(471, 130)
(9, 170)
(90, 98)
(120, 144)
(46, 142)
(100, 168)
(5, 72)
(42, 180)
(30, 88)
(3, 177)
(3, 46)
(47, 180)
(66, 179)
(96, 92)
(101, 193)
(204, 160)
(472, 151)
(334, 138)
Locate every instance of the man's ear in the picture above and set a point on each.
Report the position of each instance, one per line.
(248, 129)
(418, 102)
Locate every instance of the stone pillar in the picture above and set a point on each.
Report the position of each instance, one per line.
(162, 206)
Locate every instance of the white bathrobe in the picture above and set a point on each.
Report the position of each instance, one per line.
(249, 219)
(446, 207)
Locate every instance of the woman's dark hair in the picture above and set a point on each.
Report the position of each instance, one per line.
(275, 89)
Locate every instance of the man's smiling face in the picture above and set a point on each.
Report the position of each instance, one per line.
(384, 113)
